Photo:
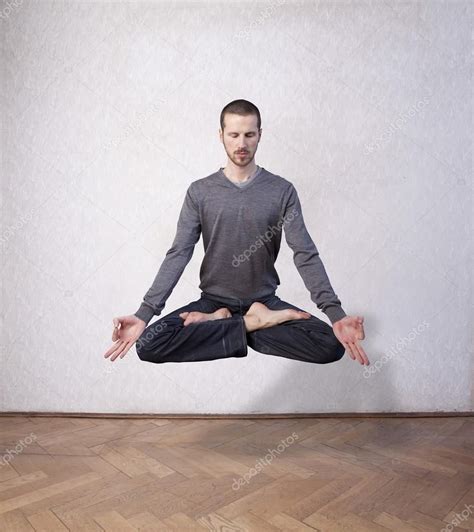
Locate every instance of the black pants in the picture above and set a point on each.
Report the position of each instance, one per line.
(168, 340)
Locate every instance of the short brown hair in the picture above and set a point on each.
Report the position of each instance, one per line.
(242, 108)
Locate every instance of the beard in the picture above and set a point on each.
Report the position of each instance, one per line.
(239, 160)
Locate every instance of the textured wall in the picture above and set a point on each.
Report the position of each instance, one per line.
(111, 110)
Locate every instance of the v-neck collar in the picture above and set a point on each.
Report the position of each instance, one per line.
(226, 180)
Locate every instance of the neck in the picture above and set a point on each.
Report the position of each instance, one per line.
(239, 173)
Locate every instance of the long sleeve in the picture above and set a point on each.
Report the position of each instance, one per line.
(176, 259)
(307, 260)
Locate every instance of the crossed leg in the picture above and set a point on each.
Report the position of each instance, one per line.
(203, 330)
(305, 339)
(282, 329)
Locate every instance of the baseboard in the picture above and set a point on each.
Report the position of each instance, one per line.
(242, 416)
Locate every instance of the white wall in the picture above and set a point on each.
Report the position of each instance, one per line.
(111, 110)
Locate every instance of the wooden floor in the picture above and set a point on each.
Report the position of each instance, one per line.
(329, 474)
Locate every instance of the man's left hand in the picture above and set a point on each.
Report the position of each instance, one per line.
(349, 330)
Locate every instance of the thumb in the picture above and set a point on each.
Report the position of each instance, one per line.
(115, 333)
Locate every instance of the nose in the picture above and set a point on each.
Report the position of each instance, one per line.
(242, 144)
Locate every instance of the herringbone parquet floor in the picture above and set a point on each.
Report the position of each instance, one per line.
(329, 474)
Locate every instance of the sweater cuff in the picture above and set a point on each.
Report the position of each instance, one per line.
(335, 314)
(145, 313)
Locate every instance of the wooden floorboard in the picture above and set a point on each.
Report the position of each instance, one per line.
(291, 474)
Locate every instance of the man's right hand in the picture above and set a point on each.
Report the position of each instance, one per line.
(127, 330)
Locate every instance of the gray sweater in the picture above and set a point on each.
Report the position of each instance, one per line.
(241, 228)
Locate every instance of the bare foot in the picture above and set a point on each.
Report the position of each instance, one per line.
(260, 316)
(195, 316)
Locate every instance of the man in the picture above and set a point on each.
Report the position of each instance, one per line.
(241, 211)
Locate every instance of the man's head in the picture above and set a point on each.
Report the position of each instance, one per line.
(240, 131)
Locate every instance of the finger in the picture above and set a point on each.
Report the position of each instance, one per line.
(123, 349)
(362, 354)
(359, 353)
(130, 343)
(113, 348)
(355, 352)
(348, 349)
